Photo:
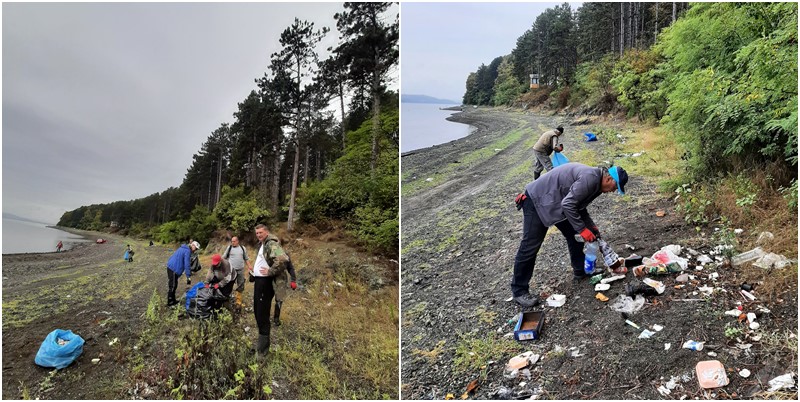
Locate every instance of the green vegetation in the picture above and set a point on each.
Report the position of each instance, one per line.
(473, 354)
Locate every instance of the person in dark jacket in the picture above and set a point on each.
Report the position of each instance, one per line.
(559, 199)
(547, 143)
(179, 264)
(221, 276)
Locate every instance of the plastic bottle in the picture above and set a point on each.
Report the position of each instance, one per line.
(590, 252)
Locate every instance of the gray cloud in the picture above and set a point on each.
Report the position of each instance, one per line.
(106, 102)
(441, 43)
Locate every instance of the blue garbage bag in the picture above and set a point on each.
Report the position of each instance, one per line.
(559, 159)
(192, 293)
(590, 137)
(126, 256)
(51, 354)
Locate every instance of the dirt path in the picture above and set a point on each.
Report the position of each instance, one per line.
(460, 233)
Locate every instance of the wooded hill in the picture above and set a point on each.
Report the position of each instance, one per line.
(720, 78)
(286, 156)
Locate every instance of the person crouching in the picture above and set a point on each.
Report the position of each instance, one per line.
(220, 276)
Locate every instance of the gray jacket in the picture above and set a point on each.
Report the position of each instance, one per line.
(564, 193)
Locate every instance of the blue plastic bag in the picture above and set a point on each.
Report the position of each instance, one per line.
(559, 159)
(590, 137)
(126, 256)
(192, 293)
(51, 354)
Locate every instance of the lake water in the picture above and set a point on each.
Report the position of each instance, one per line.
(29, 237)
(424, 125)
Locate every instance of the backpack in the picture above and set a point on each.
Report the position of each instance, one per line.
(227, 252)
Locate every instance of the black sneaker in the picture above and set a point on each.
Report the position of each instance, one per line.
(527, 300)
(276, 322)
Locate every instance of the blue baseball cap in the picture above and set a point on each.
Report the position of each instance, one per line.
(620, 176)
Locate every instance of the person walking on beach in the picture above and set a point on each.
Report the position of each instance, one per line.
(280, 288)
(179, 264)
(236, 255)
(547, 143)
(59, 246)
(270, 262)
(560, 199)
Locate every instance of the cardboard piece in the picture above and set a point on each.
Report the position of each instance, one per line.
(529, 326)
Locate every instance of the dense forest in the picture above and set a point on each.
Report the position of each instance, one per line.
(720, 78)
(286, 156)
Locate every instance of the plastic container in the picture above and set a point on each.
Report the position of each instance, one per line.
(529, 326)
(590, 250)
(693, 345)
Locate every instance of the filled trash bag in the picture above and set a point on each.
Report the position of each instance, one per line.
(590, 137)
(202, 301)
(126, 256)
(559, 159)
(59, 349)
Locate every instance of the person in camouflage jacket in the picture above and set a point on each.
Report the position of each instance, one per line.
(270, 263)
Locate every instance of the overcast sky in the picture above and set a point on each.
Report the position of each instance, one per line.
(108, 102)
(441, 43)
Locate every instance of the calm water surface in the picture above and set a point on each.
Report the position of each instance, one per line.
(29, 237)
(424, 125)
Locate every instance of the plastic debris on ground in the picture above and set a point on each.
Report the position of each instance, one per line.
(601, 287)
(657, 327)
(658, 286)
(748, 256)
(667, 346)
(519, 362)
(744, 373)
(706, 290)
(711, 374)
(646, 334)
(556, 300)
(765, 238)
(772, 260)
(693, 345)
(612, 279)
(625, 304)
(778, 383)
(668, 254)
(59, 355)
(704, 259)
(595, 279)
(738, 231)
(682, 278)
(601, 297)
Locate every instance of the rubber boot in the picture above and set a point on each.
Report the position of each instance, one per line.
(277, 319)
(263, 345)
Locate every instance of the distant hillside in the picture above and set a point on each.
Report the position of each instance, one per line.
(8, 215)
(425, 99)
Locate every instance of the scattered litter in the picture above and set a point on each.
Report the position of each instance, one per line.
(711, 374)
(521, 360)
(54, 354)
(669, 254)
(657, 327)
(527, 373)
(756, 338)
(339, 284)
(450, 397)
(733, 312)
(556, 300)
(765, 238)
(590, 137)
(712, 354)
(714, 276)
(601, 287)
(522, 384)
(698, 268)
(693, 345)
(601, 297)
(747, 256)
(744, 373)
(660, 213)
(781, 382)
(510, 299)
(738, 231)
(471, 387)
(704, 259)
(113, 342)
(658, 286)
(596, 279)
(747, 294)
(667, 346)
(630, 247)
(646, 334)
(706, 290)
(62, 342)
(246, 329)
(625, 304)
(747, 287)
(683, 278)
(576, 352)
(663, 390)
(612, 279)
(772, 260)
(763, 309)
(633, 324)
(95, 361)
(744, 346)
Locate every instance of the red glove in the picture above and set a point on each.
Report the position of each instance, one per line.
(216, 286)
(588, 235)
(206, 285)
(294, 285)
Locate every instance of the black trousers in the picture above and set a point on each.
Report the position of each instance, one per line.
(172, 284)
(263, 292)
(533, 234)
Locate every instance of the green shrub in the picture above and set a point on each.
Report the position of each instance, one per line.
(238, 210)
(635, 80)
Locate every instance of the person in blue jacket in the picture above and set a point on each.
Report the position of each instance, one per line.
(178, 264)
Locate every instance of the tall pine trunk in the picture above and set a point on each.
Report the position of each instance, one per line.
(295, 173)
(376, 119)
(344, 119)
(305, 166)
(276, 180)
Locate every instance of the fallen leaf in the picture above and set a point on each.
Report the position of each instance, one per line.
(742, 317)
(660, 213)
(472, 386)
(465, 396)
(449, 397)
